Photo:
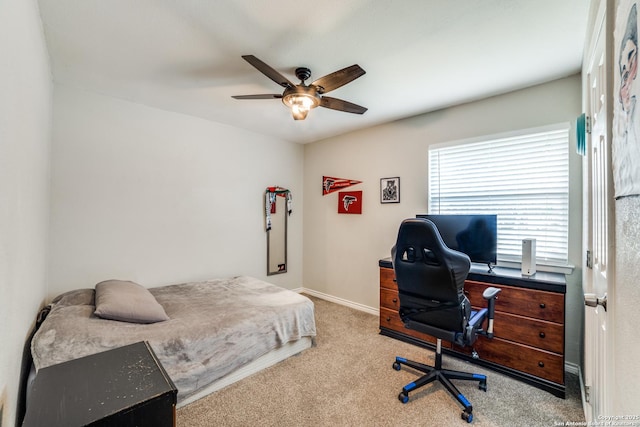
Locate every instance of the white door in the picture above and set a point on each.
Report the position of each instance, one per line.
(598, 228)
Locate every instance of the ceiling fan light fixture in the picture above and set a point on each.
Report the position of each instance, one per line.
(299, 112)
(300, 99)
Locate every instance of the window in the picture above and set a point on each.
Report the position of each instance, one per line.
(524, 179)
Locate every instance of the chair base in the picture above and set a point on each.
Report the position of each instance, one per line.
(444, 376)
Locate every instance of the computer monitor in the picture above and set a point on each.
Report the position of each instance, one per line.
(474, 235)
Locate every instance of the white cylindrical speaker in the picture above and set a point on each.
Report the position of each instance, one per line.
(528, 257)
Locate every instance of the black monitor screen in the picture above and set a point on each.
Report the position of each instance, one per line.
(475, 235)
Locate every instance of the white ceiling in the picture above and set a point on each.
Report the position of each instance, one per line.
(419, 55)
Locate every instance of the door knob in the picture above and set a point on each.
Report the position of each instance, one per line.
(591, 300)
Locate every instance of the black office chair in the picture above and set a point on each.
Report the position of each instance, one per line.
(430, 279)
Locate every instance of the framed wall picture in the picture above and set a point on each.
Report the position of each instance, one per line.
(390, 190)
(626, 119)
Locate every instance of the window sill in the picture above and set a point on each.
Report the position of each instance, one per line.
(564, 269)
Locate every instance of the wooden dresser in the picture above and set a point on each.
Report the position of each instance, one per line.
(528, 328)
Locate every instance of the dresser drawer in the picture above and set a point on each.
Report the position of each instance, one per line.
(540, 363)
(537, 333)
(387, 279)
(521, 301)
(389, 299)
(391, 320)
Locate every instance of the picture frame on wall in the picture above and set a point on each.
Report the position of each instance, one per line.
(626, 119)
(390, 190)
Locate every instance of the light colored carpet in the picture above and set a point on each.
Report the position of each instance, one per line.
(347, 380)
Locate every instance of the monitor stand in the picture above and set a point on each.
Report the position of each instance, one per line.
(478, 267)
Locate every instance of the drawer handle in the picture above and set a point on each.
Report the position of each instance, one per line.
(542, 335)
(541, 364)
(395, 300)
(542, 305)
(388, 319)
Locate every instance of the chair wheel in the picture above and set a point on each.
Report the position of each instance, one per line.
(396, 366)
(467, 416)
(483, 386)
(402, 397)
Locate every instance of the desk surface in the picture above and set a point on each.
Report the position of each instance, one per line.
(82, 391)
(545, 281)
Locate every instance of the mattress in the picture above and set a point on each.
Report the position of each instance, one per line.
(215, 327)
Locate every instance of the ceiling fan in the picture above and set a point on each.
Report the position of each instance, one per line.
(301, 98)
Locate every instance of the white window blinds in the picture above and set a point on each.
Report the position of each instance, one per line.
(523, 179)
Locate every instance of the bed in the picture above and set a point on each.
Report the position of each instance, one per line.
(217, 332)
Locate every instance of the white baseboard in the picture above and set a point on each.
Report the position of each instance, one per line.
(572, 368)
(583, 393)
(341, 301)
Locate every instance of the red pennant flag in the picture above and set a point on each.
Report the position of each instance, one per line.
(331, 184)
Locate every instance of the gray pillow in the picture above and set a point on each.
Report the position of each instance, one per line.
(128, 302)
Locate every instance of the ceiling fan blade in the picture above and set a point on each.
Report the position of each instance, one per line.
(341, 105)
(268, 71)
(265, 96)
(338, 78)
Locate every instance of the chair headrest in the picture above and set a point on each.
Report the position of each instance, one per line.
(420, 240)
(420, 256)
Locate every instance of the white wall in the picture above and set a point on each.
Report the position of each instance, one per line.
(625, 303)
(341, 252)
(25, 125)
(159, 197)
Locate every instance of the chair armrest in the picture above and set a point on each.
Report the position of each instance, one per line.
(490, 293)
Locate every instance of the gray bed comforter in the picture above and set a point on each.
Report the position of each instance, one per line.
(215, 327)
